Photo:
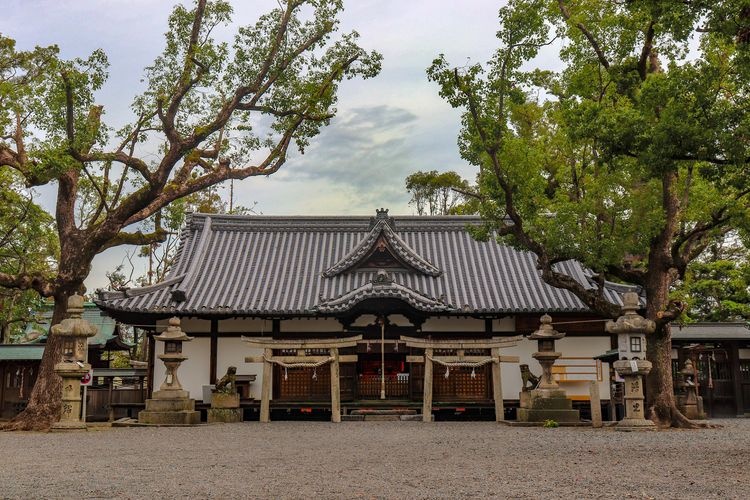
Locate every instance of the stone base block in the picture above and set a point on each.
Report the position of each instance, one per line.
(223, 400)
(169, 417)
(523, 399)
(548, 404)
(170, 405)
(540, 415)
(172, 394)
(68, 426)
(224, 415)
(169, 412)
(635, 424)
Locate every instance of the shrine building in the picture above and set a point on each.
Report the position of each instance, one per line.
(391, 299)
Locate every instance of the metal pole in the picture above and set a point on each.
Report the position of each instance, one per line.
(382, 358)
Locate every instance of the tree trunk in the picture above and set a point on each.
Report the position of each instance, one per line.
(660, 398)
(43, 408)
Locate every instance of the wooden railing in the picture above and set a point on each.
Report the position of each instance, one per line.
(368, 386)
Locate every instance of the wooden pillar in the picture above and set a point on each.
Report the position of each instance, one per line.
(109, 399)
(151, 357)
(734, 359)
(265, 391)
(335, 387)
(214, 351)
(596, 404)
(427, 396)
(497, 385)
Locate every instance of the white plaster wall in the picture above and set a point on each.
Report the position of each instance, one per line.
(399, 320)
(188, 325)
(569, 347)
(194, 372)
(674, 354)
(744, 353)
(453, 325)
(311, 325)
(245, 325)
(506, 324)
(364, 320)
(232, 352)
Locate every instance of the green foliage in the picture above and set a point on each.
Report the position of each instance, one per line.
(550, 424)
(630, 145)
(443, 193)
(717, 288)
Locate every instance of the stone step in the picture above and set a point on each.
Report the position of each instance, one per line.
(384, 411)
(381, 418)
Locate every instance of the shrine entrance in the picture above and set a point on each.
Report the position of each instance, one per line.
(370, 379)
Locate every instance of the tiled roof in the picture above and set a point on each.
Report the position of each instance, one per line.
(711, 331)
(107, 331)
(265, 265)
(21, 352)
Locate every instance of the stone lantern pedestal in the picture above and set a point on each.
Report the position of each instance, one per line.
(171, 404)
(73, 333)
(633, 372)
(548, 401)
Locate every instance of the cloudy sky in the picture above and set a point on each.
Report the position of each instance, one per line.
(386, 128)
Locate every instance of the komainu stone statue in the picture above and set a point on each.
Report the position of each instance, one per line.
(228, 383)
(529, 381)
(225, 400)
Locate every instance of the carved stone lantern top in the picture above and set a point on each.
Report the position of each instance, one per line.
(173, 333)
(75, 325)
(689, 369)
(545, 331)
(630, 321)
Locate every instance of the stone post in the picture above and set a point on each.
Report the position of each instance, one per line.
(631, 329)
(74, 332)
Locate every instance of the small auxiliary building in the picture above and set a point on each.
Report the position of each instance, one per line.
(398, 286)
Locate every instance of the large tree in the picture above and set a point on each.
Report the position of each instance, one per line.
(630, 156)
(210, 112)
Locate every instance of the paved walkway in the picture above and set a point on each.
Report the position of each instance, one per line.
(377, 460)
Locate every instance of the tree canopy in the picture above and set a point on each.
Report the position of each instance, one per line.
(631, 157)
(434, 193)
(211, 112)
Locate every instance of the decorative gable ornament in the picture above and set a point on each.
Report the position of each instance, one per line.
(380, 247)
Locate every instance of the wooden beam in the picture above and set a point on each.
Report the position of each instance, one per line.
(265, 392)
(266, 343)
(470, 359)
(335, 387)
(461, 343)
(497, 387)
(427, 383)
(346, 358)
(214, 351)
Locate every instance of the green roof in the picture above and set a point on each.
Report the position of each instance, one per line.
(21, 352)
(106, 326)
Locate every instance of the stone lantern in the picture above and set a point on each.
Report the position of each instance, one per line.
(73, 333)
(688, 401)
(547, 401)
(171, 404)
(631, 329)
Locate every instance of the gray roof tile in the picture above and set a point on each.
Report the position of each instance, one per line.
(264, 265)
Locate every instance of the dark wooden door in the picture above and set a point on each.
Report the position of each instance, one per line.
(716, 383)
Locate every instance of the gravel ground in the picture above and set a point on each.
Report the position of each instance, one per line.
(377, 460)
